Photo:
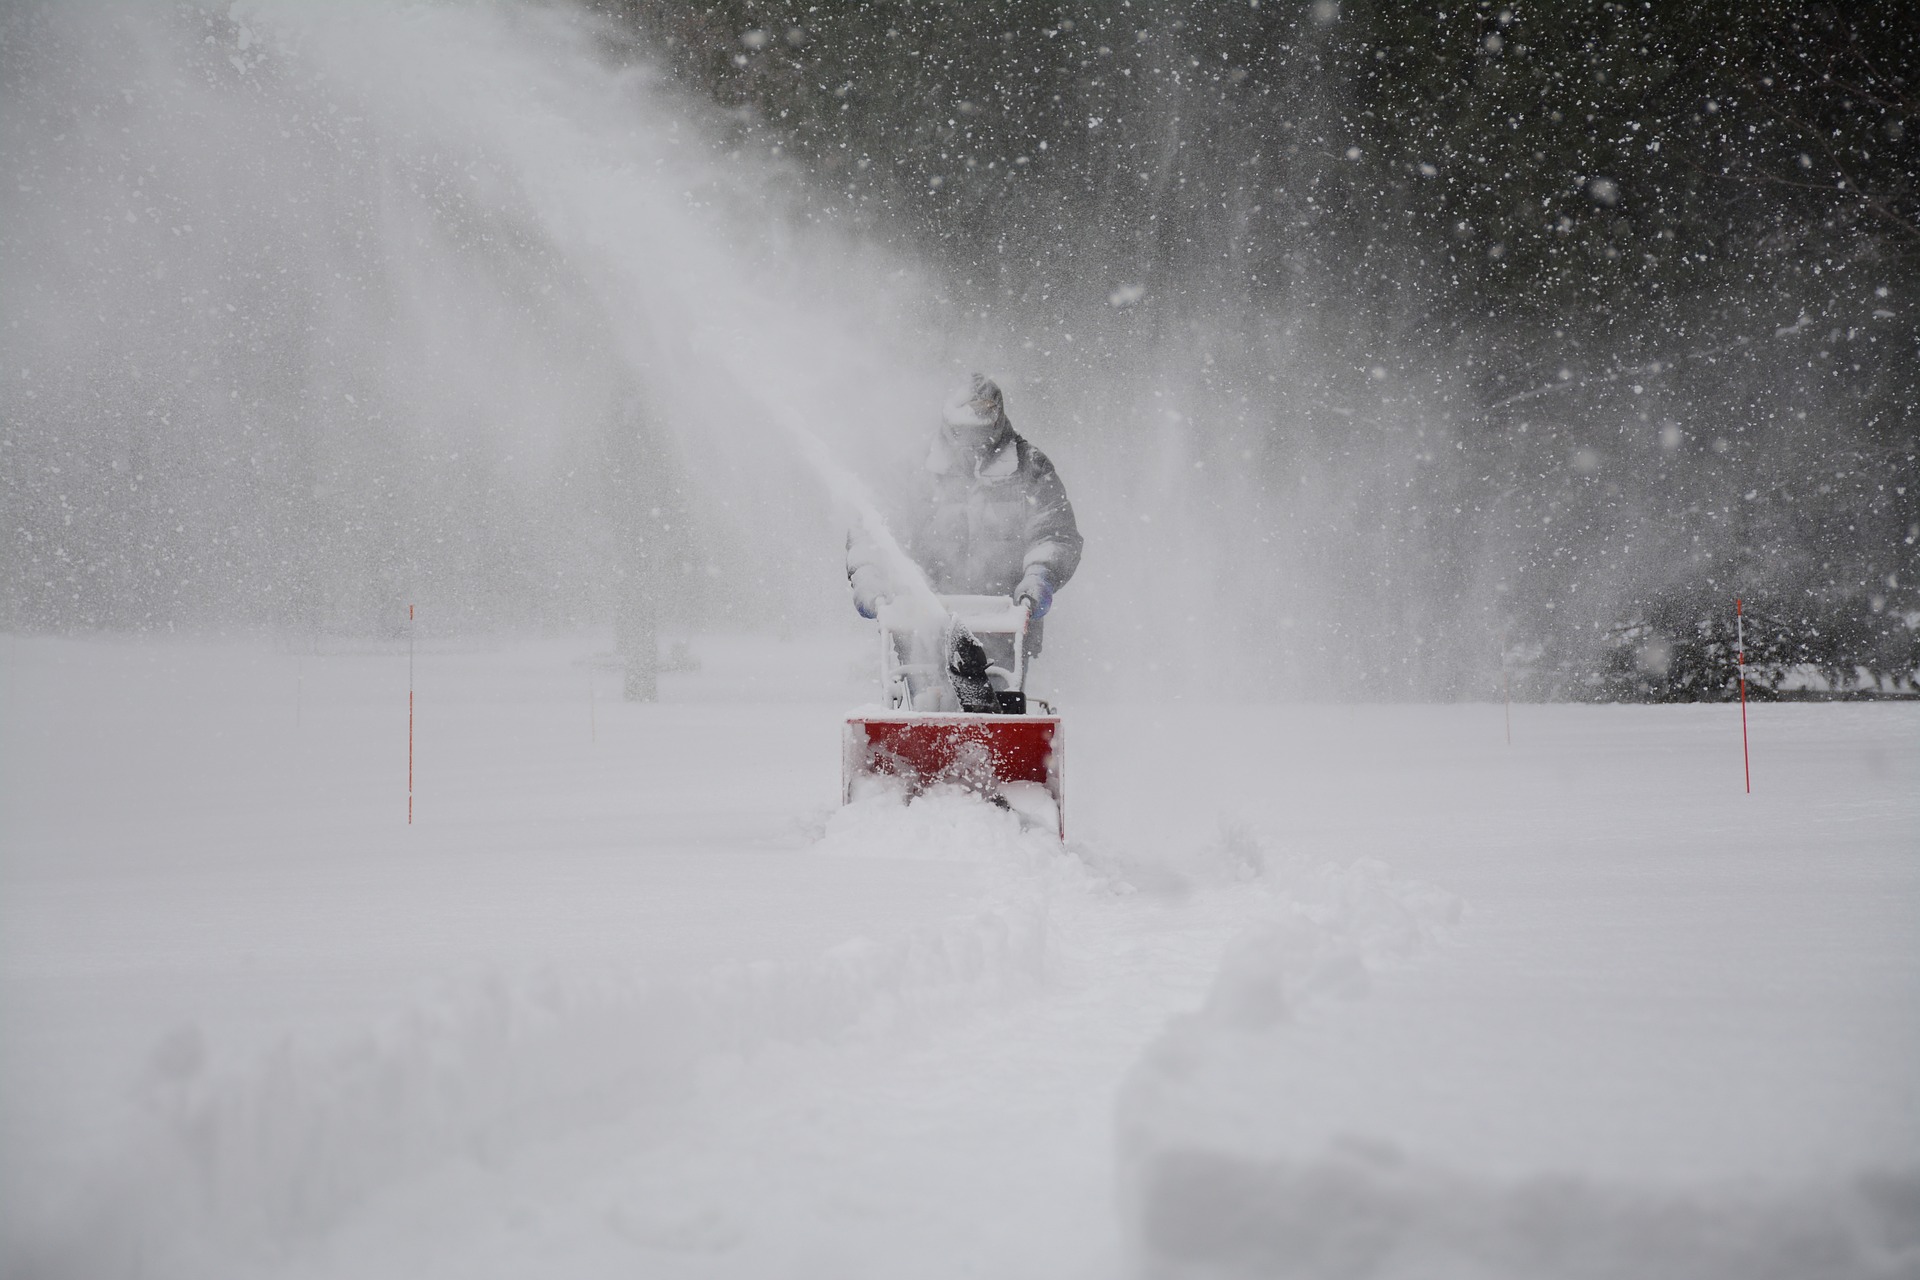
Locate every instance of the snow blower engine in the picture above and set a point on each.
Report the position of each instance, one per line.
(954, 716)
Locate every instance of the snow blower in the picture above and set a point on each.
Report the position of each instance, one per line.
(952, 716)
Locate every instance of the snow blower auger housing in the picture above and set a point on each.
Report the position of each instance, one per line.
(1008, 747)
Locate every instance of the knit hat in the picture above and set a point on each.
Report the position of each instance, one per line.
(974, 403)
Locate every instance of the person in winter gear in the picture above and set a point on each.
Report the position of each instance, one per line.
(986, 515)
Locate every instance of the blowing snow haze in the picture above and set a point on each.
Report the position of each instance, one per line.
(1389, 355)
(1365, 335)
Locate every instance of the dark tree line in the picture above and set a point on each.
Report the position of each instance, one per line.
(1423, 333)
(1622, 295)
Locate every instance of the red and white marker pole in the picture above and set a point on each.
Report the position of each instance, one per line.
(409, 715)
(1740, 652)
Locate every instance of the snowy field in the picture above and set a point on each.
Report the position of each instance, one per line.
(1316, 991)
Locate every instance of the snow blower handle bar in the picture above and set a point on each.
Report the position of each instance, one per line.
(989, 615)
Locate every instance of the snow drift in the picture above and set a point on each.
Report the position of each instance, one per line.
(242, 1167)
(1221, 1175)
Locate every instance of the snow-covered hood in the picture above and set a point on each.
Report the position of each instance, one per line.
(999, 462)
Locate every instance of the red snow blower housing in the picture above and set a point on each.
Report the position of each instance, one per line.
(1007, 748)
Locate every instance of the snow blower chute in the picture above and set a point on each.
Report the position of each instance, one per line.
(953, 717)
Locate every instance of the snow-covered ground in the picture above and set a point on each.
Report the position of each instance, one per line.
(1326, 991)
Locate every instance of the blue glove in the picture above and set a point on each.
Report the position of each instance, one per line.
(1037, 589)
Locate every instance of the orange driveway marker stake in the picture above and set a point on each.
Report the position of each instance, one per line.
(1740, 652)
(409, 715)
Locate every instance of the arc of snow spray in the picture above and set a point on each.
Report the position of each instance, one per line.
(851, 489)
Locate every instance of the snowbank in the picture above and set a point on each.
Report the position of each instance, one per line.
(1273, 1132)
(231, 1170)
(1364, 1209)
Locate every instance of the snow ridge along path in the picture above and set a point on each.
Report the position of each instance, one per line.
(1211, 1188)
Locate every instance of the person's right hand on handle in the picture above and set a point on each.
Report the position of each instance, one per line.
(869, 592)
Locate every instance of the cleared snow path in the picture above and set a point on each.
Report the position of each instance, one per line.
(943, 1136)
(633, 998)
